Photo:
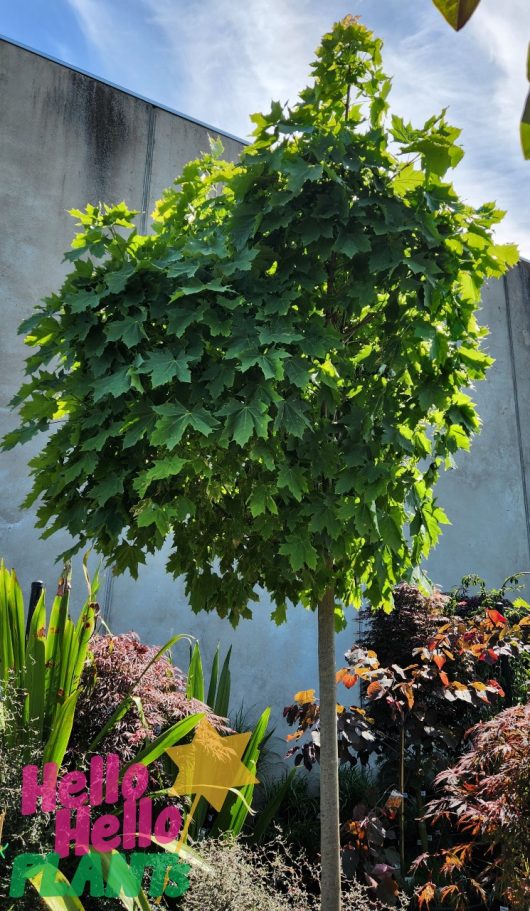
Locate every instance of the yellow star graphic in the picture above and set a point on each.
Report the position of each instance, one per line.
(211, 765)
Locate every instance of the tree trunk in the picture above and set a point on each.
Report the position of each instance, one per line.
(403, 798)
(329, 762)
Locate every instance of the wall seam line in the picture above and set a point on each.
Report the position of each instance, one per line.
(517, 409)
(148, 168)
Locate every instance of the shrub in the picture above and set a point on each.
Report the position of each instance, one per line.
(297, 815)
(486, 798)
(415, 618)
(160, 696)
(415, 724)
(238, 877)
(19, 833)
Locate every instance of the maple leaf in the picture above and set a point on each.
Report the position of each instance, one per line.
(408, 693)
(347, 678)
(211, 765)
(304, 696)
(497, 618)
(426, 895)
(374, 689)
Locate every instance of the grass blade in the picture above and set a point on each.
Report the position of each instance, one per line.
(169, 738)
(195, 685)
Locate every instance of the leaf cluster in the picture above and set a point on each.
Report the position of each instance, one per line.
(414, 696)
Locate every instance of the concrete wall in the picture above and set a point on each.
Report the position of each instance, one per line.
(67, 139)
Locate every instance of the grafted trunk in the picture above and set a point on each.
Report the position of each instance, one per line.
(329, 762)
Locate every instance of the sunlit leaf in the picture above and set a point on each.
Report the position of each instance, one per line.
(304, 696)
(457, 12)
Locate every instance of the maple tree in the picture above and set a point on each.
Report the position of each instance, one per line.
(274, 377)
(485, 797)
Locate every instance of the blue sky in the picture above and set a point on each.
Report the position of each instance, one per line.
(221, 60)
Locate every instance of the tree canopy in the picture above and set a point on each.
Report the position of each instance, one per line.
(273, 377)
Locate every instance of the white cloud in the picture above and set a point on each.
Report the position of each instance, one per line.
(220, 60)
(97, 22)
(239, 56)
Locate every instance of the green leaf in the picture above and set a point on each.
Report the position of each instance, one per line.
(62, 728)
(439, 150)
(278, 333)
(214, 679)
(181, 316)
(115, 384)
(245, 221)
(83, 300)
(195, 683)
(390, 526)
(291, 418)
(270, 364)
(109, 487)
(457, 438)
(324, 518)
(130, 330)
(165, 468)
(401, 131)
(262, 501)
(155, 748)
(299, 171)
(222, 699)
(175, 420)
(297, 371)
(469, 287)
(294, 480)
(232, 817)
(347, 481)
(152, 514)
(506, 254)
(165, 365)
(117, 280)
(300, 552)
(246, 420)
(474, 357)
(350, 244)
(525, 126)
(457, 12)
(244, 425)
(408, 179)
(53, 902)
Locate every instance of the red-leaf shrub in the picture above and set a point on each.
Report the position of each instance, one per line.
(414, 720)
(118, 662)
(486, 797)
